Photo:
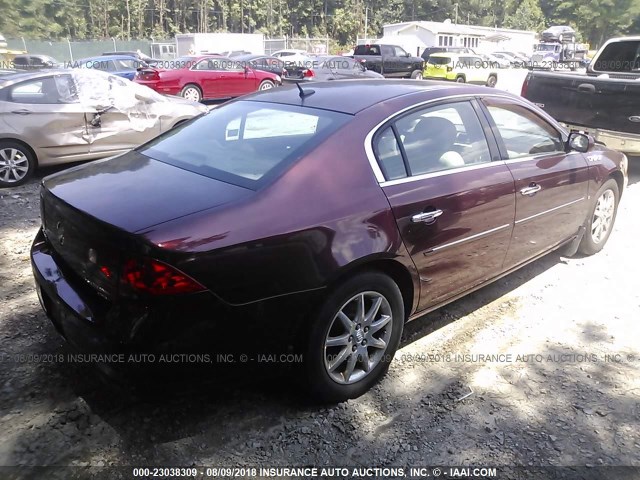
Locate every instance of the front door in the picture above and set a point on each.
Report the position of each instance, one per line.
(45, 113)
(551, 184)
(452, 197)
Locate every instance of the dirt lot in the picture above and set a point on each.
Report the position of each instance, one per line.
(553, 397)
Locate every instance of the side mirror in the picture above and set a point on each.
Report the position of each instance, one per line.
(96, 121)
(579, 142)
(407, 55)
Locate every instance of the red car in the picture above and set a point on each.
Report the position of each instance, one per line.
(205, 77)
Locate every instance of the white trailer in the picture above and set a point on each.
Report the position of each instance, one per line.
(200, 43)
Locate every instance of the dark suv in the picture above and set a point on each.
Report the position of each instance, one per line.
(429, 50)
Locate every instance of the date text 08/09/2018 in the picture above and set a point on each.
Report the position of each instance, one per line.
(315, 472)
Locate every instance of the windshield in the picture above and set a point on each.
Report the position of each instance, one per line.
(546, 47)
(245, 143)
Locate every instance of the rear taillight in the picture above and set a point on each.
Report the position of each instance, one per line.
(148, 75)
(525, 86)
(308, 73)
(157, 278)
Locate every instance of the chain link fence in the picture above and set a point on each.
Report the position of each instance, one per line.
(68, 51)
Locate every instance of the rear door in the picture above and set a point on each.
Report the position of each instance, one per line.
(453, 198)
(116, 119)
(45, 113)
(551, 185)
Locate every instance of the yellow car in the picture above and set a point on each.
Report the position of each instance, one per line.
(461, 68)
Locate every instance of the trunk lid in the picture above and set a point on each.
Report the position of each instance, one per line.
(133, 192)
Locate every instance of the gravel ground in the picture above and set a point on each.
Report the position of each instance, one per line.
(553, 398)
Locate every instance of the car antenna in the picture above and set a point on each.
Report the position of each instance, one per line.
(304, 93)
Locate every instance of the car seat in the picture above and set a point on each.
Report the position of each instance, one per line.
(430, 146)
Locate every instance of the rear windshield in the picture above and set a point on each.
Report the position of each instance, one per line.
(245, 143)
(619, 57)
(367, 50)
(439, 60)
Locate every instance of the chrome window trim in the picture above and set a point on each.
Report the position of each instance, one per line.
(368, 140)
(440, 173)
(471, 237)
(526, 219)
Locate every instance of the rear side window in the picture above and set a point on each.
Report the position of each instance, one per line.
(432, 139)
(245, 143)
(619, 57)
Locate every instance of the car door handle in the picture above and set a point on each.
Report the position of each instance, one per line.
(531, 189)
(21, 112)
(426, 217)
(586, 88)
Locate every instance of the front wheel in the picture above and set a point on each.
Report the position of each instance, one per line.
(416, 75)
(354, 337)
(191, 92)
(17, 164)
(601, 219)
(491, 81)
(460, 79)
(266, 85)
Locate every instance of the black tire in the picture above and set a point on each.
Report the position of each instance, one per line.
(460, 79)
(192, 90)
(416, 75)
(266, 85)
(491, 81)
(319, 382)
(592, 243)
(17, 163)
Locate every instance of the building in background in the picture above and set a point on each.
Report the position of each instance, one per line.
(416, 36)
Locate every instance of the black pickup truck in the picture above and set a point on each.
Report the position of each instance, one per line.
(389, 60)
(604, 101)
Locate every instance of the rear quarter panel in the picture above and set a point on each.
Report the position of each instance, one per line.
(321, 217)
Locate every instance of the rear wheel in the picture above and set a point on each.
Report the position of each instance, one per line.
(491, 81)
(354, 337)
(601, 219)
(460, 79)
(17, 164)
(266, 85)
(191, 92)
(416, 75)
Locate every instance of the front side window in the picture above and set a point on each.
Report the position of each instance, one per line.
(47, 90)
(245, 143)
(523, 132)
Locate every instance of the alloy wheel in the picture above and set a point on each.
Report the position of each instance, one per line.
(192, 94)
(358, 337)
(603, 216)
(266, 86)
(14, 165)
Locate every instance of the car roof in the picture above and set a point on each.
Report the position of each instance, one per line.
(109, 57)
(353, 96)
(253, 56)
(445, 54)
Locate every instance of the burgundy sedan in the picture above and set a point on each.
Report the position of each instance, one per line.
(206, 77)
(316, 222)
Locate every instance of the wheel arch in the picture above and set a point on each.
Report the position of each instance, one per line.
(396, 270)
(619, 178)
(25, 144)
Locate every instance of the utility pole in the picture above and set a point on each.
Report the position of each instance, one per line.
(456, 7)
(366, 22)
